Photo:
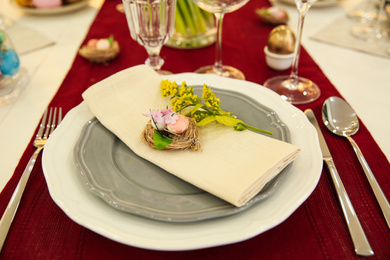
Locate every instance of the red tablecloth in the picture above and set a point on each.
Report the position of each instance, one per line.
(316, 230)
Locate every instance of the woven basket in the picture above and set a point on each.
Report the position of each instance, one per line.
(100, 56)
(189, 139)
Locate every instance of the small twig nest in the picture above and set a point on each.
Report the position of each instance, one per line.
(273, 16)
(100, 56)
(189, 139)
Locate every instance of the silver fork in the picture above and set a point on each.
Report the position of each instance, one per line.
(39, 143)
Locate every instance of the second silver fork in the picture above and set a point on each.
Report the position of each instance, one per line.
(45, 129)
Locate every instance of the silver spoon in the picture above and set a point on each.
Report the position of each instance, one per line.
(341, 120)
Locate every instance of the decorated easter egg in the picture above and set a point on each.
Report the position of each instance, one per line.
(180, 125)
(9, 62)
(46, 3)
(24, 3)
(92, 43)
(103, 44)
(2, 37)
(281, 40)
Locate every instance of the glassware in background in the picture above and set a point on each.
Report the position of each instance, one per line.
(364, 12)
(194, 27)
(292, 88)
(5, 22)
(375, 30)
(220, 8)
(151, 23)
(13, 78)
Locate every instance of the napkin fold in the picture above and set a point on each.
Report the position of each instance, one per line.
(231, 165)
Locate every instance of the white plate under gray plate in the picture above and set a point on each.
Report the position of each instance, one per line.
(128, 182)
(52, 11)
(69, 193)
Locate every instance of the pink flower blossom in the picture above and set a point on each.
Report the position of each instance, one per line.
(163, 117)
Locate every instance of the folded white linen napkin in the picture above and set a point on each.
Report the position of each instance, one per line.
(232, 165)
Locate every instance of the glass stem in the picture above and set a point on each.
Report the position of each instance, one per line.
(366, 13)
(377, 22)
(302, 10)
(218, 48)
(154, 60)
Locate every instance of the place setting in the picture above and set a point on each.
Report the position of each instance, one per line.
(165, 192)
(168, 196)
(148, 160)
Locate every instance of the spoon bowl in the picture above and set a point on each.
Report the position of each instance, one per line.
(341, 119)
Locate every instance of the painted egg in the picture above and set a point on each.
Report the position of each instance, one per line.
(281, 40)
(180, 126)
(2, 36)
(46, 3)
(92, 43)
(103, 44)
(9, 63)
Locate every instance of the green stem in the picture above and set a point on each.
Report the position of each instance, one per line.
(197, 17)
(180, 25)
(256, 129)
(186, 15)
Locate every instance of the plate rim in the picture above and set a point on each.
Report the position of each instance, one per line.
(52, 11)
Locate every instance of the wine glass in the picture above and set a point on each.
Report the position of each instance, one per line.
(220, 8)
(294, 89)
(372, 32)
(151, 23)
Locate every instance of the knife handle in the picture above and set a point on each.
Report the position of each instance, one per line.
(359, 239)
(379, 195)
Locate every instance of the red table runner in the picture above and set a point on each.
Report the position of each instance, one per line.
(316, 230)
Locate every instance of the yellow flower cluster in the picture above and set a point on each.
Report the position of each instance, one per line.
(203, 113)
(210, 99)
(181, 99)
(168, 88)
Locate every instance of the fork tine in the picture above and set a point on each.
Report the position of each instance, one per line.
(59, 115)
(54, 124)
(46, 135)
(42, 126)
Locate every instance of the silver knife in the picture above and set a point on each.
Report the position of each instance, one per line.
(359, 239)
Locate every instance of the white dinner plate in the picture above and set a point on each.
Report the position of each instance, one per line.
(69, 193)
(52, 11)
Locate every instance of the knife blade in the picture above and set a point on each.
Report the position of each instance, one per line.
(359, 239)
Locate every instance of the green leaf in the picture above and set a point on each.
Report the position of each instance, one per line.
(196, 107)
(110, 40)
(160, 141)
(239, 127)
(227, 120)
(206, 120)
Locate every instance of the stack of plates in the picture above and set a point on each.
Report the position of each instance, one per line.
(101, 184)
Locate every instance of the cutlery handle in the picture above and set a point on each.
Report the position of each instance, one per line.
(380, 197)
(359, 239)
(12, 207)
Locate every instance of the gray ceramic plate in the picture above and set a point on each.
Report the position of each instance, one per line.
(128, 182)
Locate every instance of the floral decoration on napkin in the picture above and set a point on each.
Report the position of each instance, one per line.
(232, 165)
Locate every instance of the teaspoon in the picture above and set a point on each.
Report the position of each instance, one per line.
(342, 120)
